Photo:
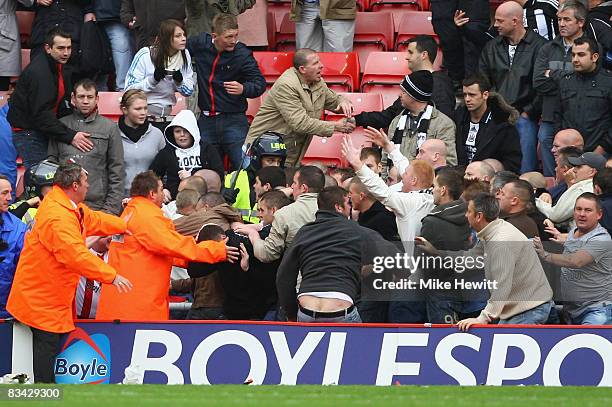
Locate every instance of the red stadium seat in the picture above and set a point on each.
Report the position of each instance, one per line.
(25, 19)
(279, 9)
(273, 64)
(340, 70)
(25, 58)
(383, 73)
(362, 102)
(271, 24)
(252, 108)
(373, 32)
(414, 23)
(328, 150)
(396, 7)
(108, 105)
(181, 104)
(285, 38)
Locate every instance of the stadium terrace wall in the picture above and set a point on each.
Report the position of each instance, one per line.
(289, 353)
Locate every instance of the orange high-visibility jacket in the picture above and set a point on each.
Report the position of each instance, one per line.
(54, 257)
(145, 256)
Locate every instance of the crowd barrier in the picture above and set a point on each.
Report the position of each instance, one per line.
(328, 354)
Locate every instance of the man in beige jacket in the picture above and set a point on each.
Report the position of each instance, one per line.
(295, 105)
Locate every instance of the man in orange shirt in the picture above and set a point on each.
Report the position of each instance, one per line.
(146, 255)
(53, 259)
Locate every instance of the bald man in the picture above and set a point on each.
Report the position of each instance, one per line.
(212, 179)
(433, 151)
(479, 170)
(508, 61)
(495, 164)
(566, 138)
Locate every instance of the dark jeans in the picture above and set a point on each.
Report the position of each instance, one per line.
(227, 132)
(206, 313)
(460, 56)
(45, 346)
(407, 312)
(32, 147)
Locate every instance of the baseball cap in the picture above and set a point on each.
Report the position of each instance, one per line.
(593, 160)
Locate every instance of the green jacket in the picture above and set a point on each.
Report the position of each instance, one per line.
(243, 200)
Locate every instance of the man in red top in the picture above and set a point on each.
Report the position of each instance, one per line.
(41, 98)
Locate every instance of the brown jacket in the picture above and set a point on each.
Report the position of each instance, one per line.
(329, 9)
(207, 291)
(294, 109)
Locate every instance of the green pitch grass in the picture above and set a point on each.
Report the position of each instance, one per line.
(334, 396)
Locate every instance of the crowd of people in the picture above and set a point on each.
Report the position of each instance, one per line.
(117, 217)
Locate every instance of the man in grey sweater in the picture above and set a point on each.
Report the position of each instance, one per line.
(520, 292)
(104, 162)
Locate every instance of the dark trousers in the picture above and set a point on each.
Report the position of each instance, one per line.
(460, 56)
(45, 349)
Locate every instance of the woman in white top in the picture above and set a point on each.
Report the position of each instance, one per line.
(161, 70)
(141, 141)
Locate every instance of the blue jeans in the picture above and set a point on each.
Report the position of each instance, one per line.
(535, 316)
(449, 312)
(595, 316)
(121, 46)
(351, 317)
(546, 135)
(32, 147)
(528, 133)
(407, 312)
(227, 132)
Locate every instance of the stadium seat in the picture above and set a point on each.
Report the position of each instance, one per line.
(383, 73)
(279, 9)
(273, 64)
(362, 102)
(271, 24)
(396, 8)
(181, 104)
(108, 105)
(252, 108)
(328, 150)
(413, 23)
(340, 70)
(373, 32)
(285, 38)
(25, 58)
(25, 19)
(3, 98)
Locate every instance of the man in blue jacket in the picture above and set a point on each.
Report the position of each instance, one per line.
(227, 75)
(12, 231)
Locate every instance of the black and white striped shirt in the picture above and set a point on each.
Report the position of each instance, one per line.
(541, 17)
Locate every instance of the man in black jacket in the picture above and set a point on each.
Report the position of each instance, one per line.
(599, 28)
(485, 126)
(227, 75)
(586, 98)
(330, 253)
(40, 99)
(144, 17)
(553, 62)
(447, 225)
(507, 61)
(421, 54)
(67, 15)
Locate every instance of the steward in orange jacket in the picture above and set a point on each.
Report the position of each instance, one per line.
(53, 259)
(146, 254)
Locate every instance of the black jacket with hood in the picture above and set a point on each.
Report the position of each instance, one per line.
(497, 136)
(172, 158)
